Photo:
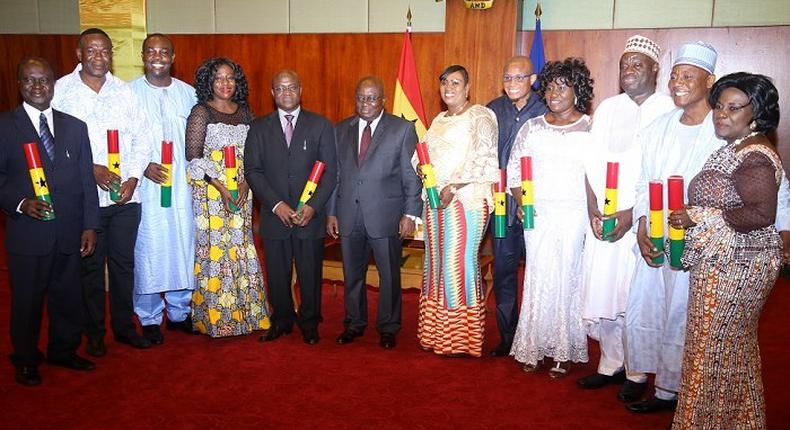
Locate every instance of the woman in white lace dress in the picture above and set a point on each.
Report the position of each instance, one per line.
(550, 322)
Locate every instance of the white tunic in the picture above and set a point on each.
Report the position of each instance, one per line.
(165, 249)
(550, 323)
(609, 266)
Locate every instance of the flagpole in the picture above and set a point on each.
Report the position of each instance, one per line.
(537, 54)
(408, 20)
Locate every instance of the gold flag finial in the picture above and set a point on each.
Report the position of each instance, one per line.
(408, 17)
(538, 11)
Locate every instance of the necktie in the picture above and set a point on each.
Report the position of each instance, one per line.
(289, 129)
(364, 143)
(46, 136)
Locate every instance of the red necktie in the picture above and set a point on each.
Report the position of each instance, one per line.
(364, 143)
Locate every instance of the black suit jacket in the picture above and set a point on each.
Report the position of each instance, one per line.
(277, 173)
(70, 182)
(385, 186)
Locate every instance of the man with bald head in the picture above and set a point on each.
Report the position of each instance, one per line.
(44, 254)
(376, 200)
(279, 154)
(512, 110)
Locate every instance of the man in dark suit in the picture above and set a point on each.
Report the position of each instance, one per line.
(279, 154)
(512, 110)
(44, 256)
(376, 200)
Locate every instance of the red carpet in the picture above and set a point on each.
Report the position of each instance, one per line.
(194, 382)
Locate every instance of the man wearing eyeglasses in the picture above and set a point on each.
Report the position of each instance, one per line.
(512, 110)
(375, 203)
(279, 154)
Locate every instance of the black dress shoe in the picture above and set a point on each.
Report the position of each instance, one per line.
(348, 336)
(631, 391)
(310, 336)
(134, 340)
(387, 340)
(501, 350)
(273, 333)
(597, 380)
(154, 334)
(96, 347)
(184, 326)
(75, 362)
(27, 375)
(652, 405)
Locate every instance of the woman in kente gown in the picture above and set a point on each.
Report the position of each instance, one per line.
(734, 254)
(229, 297)
(462, 145)
(550, 322)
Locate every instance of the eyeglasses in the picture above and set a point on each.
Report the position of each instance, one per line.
(368, 99)
(730, 108)
(282, 88)
(517, 78)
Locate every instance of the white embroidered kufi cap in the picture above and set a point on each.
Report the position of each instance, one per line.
(642, 45)
(698, 54)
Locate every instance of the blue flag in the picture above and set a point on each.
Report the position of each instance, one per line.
(536, 54)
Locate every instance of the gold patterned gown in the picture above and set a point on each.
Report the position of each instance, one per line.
(734, 255)
(229, 297)
(462, 149)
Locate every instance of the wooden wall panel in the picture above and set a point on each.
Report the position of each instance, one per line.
(59, 50)
(751, 49)
(481, 41)
(330, 64)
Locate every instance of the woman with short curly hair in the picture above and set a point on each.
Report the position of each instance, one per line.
(229, 297)
(550, 323)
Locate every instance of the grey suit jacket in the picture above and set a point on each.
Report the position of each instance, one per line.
(385, 186)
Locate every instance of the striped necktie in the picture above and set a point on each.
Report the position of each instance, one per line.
(289, 129)
(46, 136)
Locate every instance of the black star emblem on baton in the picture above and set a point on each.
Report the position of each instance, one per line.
(607, 202)
(116, 165)
(42, 183)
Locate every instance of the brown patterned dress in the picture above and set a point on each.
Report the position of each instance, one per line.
(734, 255)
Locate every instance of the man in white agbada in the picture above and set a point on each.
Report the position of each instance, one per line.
(165, 249)
(609, 263)
(677, 143)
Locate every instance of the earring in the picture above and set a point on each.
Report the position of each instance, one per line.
(752, 126)
(575, 100)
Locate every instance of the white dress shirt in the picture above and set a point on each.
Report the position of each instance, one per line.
(362, 124)
(35, 117)
(284, 123)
